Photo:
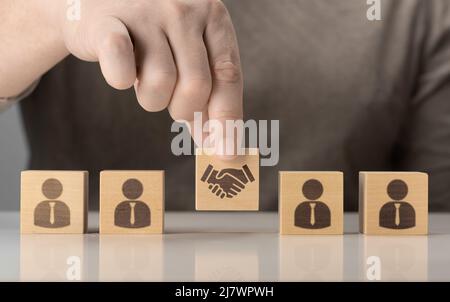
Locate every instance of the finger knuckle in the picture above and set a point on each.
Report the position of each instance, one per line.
(180, 9)
(227, 72)
(217, 9)
(196, 92)
(155, 93)
(193, 95)
(139, 6)
(231, 113)
(117, 43)
(162, 81)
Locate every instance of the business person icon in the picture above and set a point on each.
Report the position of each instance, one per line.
(397, 214)
(132, 213)
(52, 213)
(312, 214)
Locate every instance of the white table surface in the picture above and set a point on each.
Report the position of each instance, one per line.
(222, 247)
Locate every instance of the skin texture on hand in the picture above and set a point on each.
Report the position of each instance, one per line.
(177, 54)
(31, 43)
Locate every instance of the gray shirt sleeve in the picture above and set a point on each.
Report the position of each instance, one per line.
(425, 140)
(5, 103)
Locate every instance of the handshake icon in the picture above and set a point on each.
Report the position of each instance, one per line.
(227, 182)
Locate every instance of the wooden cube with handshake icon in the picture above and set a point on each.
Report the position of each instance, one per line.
(227, 185)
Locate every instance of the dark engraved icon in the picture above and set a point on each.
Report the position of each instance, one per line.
(397, 214)
(52, 213)
(312, 214)
(227, 182)
(132, 213)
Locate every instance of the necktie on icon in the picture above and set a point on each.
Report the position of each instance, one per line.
(52, 212)
(132, 213)
(313, 213)
(397, 214)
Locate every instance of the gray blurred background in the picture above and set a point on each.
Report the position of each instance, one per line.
(13, 159)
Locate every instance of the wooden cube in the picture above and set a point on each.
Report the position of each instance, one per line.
(53, 202)
(393, 203)
(131, 202)
(227, 185)
(311, 203)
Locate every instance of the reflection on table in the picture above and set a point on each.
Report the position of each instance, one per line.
(311, 258)
(237, 252)
(52, 257)
(221, 261)
(401, 258)
(131, 258)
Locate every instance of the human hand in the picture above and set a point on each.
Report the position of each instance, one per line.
(178, 54)
(228, 182)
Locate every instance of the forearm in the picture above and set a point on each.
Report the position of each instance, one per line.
(32, 42)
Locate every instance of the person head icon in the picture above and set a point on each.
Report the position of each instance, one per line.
(397, 213)
(52, 213)
(397, 190)
(312, 189)
(52, 188)
(132, 213)
(312, 214)
(132, 189)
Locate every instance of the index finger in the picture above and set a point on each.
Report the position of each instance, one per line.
(226, 99)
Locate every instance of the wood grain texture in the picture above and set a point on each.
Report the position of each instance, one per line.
(53, 202)
(131, 202)
(227, 185)
(311, 203)
(393, 203)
